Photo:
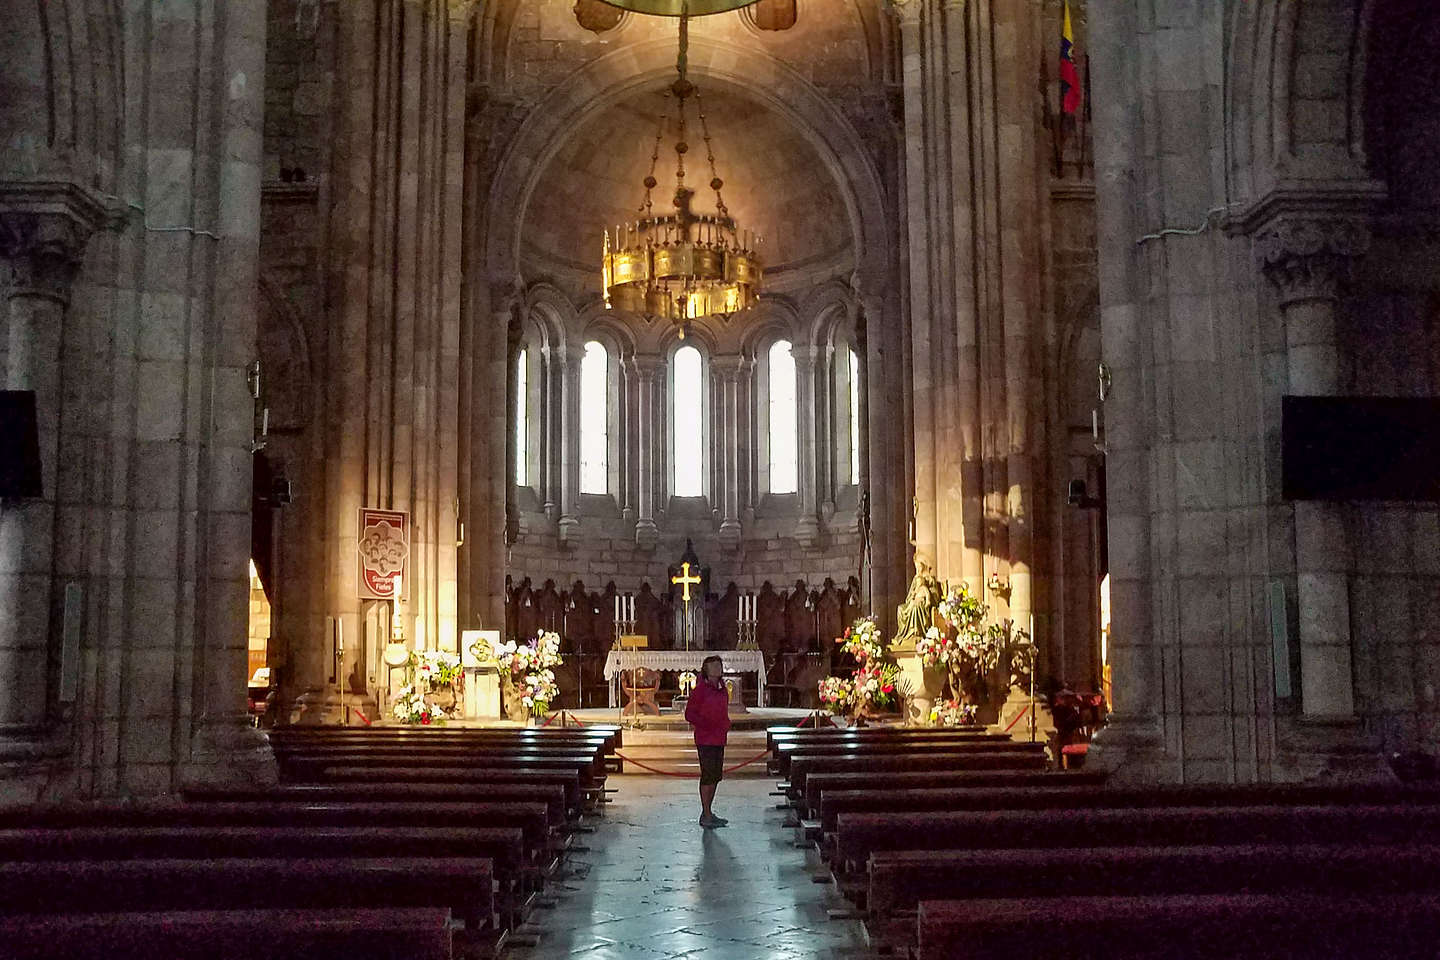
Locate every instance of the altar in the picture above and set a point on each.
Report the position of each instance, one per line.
(676, 661)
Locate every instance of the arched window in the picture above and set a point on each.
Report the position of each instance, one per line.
(854, 418)
(688, 420)
(522, 419)
(784, 454)
(594, 419)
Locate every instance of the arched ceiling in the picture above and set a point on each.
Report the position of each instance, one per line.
(775, 184)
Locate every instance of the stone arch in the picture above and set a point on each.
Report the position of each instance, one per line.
(550, 308)
(829, 308)
(776, 319)
(748, 71)
(1296, 96)
(284, 348)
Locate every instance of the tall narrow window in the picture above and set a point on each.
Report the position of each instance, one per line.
(783, 454)
(854, 418)
(688, 421)
(594, 419)
(522, 419)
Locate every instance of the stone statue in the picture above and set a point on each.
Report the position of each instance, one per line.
(917, 614)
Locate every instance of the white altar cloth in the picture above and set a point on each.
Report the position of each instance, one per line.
(736, 661)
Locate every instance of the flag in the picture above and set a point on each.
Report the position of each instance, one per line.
(1069, 76)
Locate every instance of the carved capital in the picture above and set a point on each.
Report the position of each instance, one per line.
(908, 11)
(1310, 258)
(648, 367)
(42, 251)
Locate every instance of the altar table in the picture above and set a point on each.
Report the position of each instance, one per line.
(675, 661)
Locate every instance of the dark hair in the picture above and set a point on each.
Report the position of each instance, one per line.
(708, 660)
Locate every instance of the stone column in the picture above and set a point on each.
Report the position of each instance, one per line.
(43, 234)
(1308, 259)
(569, 441)
(729, 371)
(648, 371)
(1132, 739)
(504, 319)
(807, 529)
(918, 220)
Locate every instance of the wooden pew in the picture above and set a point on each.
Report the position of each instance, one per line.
(570, 780)
(463, 884)
(881, 798)
(532, 818)
(1289, 926)
(818, 783)
(778, 735)
(390, 933)
(900, 879)
(801, 767)
(311, 767)
(857, 835)
(586, 758)
(607, 740)
(514, 866)
(397, 790)
(786, 753)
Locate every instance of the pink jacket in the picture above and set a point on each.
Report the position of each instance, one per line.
(709, 713)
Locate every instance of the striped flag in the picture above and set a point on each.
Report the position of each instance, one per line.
(1069, 76)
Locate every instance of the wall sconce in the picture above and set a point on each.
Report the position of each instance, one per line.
(998, 584)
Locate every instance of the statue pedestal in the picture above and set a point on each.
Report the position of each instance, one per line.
(922, 685)
(482, 692)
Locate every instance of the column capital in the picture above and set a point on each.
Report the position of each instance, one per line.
(44, 228)
(1309, 257)
(730, 366)
(804, 354)
(648, 366)
(907, 11)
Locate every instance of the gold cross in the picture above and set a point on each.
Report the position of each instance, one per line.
(685, 580)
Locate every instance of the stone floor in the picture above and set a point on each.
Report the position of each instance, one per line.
(655, 885)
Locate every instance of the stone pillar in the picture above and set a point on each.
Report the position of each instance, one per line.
(570, 359)
(807, 529)
(916, 198)
(648, 371)
(43, 234)
(504, 319)
(729, 371)
(1308, 259)
(1132, 739)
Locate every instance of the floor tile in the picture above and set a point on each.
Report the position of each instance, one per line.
(654, 885)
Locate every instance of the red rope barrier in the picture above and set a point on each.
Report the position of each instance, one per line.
(1017, 719)
(689, 776)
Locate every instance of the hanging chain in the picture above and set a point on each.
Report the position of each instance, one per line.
(715, 182)
(650, 181)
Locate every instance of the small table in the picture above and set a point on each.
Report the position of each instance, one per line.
(675, 661)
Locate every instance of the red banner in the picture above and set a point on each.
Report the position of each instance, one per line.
(383, 546)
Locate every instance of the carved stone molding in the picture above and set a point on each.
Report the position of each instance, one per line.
(44, 228)
(1310, 258)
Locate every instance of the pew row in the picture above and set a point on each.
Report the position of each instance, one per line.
(1183, 927)
(392, 933)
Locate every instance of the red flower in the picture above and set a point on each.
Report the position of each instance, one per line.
(425, 719)
(889, 688)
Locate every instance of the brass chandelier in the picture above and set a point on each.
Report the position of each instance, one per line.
(682, 266)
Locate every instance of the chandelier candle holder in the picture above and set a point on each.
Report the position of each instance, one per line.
(685, 265)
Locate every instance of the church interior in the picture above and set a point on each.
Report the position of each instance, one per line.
(1033, 402)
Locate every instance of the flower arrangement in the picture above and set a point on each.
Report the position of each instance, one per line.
(952, 713)
(528, 670)
(539, 688)
(411, 707)
(687, 682)
(435, 668)
(863, 640)
(836, 692)
(875, 682)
